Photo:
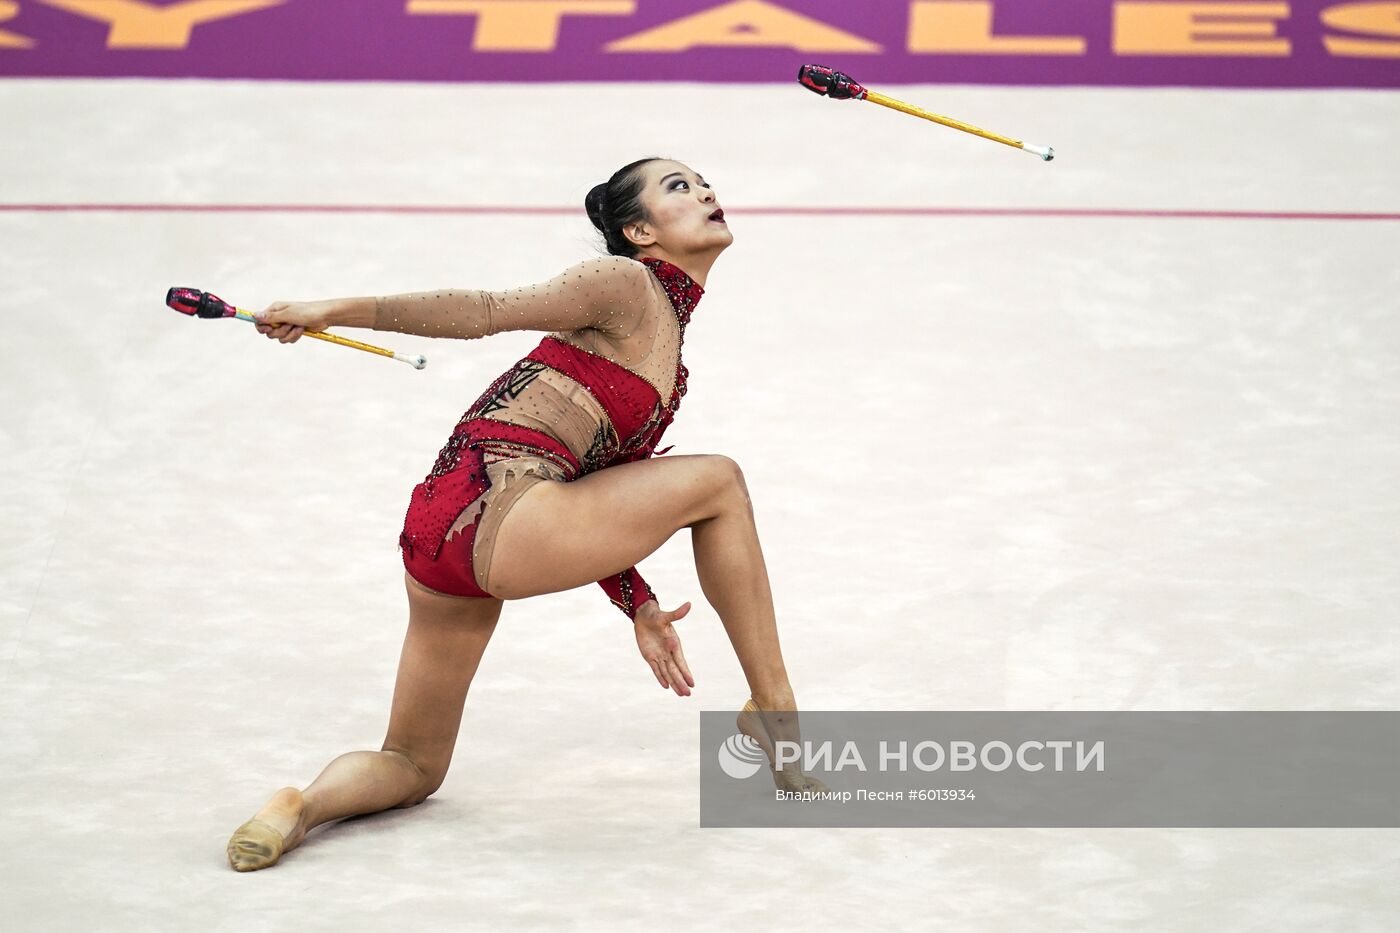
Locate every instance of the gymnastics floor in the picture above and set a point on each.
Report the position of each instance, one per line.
(1115, 432)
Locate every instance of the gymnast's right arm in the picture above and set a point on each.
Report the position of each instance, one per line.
(603, 293)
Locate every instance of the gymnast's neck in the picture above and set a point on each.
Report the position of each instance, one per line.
(696, 265)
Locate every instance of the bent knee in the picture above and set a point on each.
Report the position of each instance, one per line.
(732, 478)
(427, 786)
(726, 486)
(418, 796)
(427, 778)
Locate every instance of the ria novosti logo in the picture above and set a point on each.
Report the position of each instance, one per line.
(740, 756)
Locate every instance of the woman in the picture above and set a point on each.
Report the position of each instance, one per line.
(560, 441)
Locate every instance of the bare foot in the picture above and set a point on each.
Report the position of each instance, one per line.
(278, 828)
(768, 726)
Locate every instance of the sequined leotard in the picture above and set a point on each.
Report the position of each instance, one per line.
(590, 395)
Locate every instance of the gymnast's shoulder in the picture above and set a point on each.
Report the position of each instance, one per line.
(619, 290)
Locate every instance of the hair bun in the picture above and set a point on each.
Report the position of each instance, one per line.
(595, 203)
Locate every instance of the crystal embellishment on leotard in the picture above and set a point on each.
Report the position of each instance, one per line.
(623, 588)
(684, 293)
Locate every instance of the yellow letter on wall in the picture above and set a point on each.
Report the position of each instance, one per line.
(10, 40)
(139, 25)
(1199, 29)
(965, 27)
(1378, 19)
(744, 23)
(521, 25)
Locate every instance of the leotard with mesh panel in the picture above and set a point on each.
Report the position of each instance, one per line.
(601, 389)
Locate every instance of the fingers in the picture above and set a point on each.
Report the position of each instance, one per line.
(268, 323)
(684, 668)
(676, 666)
(656, 669)
(674, 663)
(672, 673)
(658, 637)
(268, 315)
(286, 333)
(668, 674)
(678, 682)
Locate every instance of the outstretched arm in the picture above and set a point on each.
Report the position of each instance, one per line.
(604, 292)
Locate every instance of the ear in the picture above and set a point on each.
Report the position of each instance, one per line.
(639, 234)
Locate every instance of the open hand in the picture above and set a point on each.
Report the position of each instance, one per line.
(661, 646)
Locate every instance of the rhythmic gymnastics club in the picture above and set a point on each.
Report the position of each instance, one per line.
(196, 303)
(838, 86)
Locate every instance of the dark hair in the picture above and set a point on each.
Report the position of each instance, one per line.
(617, 203)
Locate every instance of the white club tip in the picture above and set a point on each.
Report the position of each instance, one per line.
(417, 362)
(1045, 152)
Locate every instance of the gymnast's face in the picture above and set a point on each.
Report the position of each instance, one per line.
(683, 214)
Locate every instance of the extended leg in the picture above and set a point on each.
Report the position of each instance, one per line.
(446, 638)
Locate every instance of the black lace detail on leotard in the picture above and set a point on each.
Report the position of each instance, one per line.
(599, 451)
(507, 384)
(516, 380)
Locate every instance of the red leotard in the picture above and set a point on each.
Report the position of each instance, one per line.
(559, 413)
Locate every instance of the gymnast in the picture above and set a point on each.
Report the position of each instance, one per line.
(562, 440)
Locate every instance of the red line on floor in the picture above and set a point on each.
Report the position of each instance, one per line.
(865, 211)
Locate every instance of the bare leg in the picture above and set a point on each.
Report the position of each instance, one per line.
(446, 638)
(629, 511)
(734, 579)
